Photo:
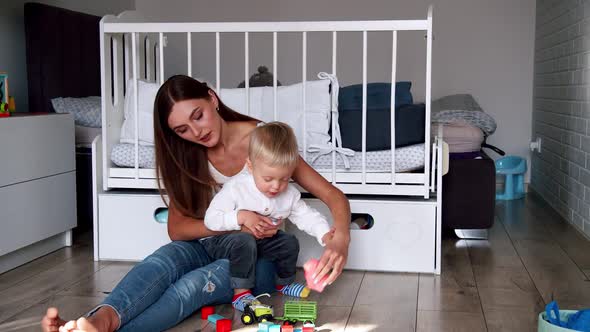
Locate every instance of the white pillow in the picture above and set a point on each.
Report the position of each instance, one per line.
(87, 111)
(145, 110)
(289, 109)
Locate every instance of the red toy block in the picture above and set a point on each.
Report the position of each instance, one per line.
(223, 325)
(206, 311)
(309, 268)
(287, 328)
(308, 329)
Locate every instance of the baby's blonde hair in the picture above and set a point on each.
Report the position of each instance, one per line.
(275, 144)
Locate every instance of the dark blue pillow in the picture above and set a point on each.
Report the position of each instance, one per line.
(409, 118)
(378, 96)
(409, 127)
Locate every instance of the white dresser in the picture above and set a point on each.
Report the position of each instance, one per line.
(37, 186)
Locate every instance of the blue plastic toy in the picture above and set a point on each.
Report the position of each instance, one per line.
(513, 168)
(161, 215)
(578, 321)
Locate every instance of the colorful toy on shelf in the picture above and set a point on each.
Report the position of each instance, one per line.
(4, 96)
(4, 110)
(11, 104)
(300, 311)
(309, 268)
(206, 311)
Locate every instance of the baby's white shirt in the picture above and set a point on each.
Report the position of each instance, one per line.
(240, 193)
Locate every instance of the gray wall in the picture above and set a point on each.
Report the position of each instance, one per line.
(562, 108)
(12, 34)
(482, 47)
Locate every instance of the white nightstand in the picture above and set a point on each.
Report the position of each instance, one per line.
(37, 186)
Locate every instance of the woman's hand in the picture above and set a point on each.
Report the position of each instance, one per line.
(259, 226)
(334, 257)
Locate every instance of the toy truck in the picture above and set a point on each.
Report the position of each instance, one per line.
(257, 312)
(300, 311)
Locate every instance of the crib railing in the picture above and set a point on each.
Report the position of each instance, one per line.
(132, 50)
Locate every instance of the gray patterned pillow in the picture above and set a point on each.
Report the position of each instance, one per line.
(86, 111)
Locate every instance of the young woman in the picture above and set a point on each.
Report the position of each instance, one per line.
(200, 144)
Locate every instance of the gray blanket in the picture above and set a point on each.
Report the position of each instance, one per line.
(462, 108)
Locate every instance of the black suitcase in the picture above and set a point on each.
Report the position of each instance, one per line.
(469, 194)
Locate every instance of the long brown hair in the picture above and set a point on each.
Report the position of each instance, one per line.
(181, 166)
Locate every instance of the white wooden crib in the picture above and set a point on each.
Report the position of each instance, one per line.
(404, 206)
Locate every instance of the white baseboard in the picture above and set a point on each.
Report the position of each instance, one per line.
(34, 251)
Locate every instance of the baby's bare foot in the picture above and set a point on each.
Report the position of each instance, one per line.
(51, 321)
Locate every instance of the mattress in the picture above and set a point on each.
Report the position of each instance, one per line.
(407, 159)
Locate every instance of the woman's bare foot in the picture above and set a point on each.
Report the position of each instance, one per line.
(51, 322)
(103, 320)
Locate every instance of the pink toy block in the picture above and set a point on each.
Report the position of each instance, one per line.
(287, 328)
(223, 325)
(309, 267)
(206, 311)
(308, 329)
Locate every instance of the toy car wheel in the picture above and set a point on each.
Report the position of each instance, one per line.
(247, 318)
(266, 318)
(293, 322)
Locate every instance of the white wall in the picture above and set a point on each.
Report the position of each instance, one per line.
(482, 47)
(12, 34)
(561, 116)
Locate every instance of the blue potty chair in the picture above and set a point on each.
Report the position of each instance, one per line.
(513, 168)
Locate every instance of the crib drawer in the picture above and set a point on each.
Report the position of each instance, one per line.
(402, 237)
(127, 228)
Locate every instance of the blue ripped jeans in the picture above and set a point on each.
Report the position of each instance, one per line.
(174, 282)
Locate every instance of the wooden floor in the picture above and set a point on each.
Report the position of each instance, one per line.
(500, 284)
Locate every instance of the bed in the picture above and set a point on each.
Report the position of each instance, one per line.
(396, 172)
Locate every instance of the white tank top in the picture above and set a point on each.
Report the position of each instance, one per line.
(219, 177)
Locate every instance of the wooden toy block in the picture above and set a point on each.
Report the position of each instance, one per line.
(223, 325)
(274, 328)
(308, 329)
(206, 311)
(214, 318)
(287, 328)
(264, 326)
